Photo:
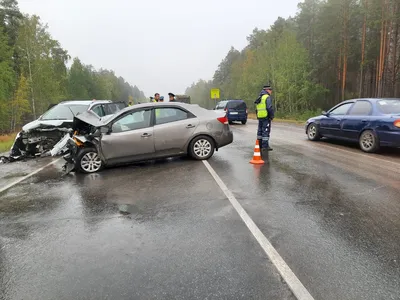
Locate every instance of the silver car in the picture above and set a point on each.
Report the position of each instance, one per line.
(145, 132)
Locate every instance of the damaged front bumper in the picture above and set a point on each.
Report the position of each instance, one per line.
(38, 142)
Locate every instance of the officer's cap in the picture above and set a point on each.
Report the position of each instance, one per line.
(171, 94)
(267, 87)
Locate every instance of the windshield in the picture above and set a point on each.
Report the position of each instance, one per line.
(64, 112)
(391, 106)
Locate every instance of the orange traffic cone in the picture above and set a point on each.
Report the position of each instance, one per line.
(257, 160)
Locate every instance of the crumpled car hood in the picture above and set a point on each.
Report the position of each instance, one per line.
(92, 119)
(44, 123)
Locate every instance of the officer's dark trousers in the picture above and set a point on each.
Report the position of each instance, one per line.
(263, 132)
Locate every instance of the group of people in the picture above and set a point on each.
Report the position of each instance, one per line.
(158, 98)
(265, 114)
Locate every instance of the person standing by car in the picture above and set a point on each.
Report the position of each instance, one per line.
(171, 97)
(265, 114)
(156, 97)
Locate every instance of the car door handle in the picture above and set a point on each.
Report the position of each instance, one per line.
(190, 126)
(364, 120)
(146, 134)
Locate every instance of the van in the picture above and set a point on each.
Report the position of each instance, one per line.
(236, 110)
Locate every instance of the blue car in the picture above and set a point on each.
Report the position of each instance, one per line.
(373, 123)
(236, 110)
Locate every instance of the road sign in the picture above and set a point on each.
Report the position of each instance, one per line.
(214, 93)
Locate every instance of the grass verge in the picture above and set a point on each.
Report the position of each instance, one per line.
(6, 141)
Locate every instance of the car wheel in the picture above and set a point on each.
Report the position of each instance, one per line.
(244, 122)
(369, 141)
(88, 161)
(313, 132)
(201, 148)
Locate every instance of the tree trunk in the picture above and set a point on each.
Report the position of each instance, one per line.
(364, 31)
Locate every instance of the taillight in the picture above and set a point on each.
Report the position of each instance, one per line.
(397, 123)
(223, 120)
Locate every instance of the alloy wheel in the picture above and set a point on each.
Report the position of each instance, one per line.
(202, 148)
(91, 162)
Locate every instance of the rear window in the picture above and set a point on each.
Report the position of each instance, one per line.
(389, 106)
(221, 105)
(237, 105)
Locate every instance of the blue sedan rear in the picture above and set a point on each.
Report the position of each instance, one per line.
(370, 122)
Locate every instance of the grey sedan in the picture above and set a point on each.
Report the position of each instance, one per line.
(145, 132)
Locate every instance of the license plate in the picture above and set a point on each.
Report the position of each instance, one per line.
(234, 113)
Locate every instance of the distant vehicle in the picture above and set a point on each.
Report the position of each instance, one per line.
(236, 110)
(39, 136)
(182, 98)
(144, 132)
(371, 122)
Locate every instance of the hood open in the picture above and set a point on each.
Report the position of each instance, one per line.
(91, 118)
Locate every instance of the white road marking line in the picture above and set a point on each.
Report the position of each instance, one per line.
(27, 176)
(287, 274)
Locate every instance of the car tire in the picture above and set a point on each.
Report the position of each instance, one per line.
(244, 122)
(201, 147)
(313, 132)
(369, 141)
(88, 161)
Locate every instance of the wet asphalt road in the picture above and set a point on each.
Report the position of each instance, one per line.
(165, 230)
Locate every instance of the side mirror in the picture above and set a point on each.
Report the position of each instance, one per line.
(324, 113)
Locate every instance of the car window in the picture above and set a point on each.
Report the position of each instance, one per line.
(342, 109)
(237, 105)
(64, 112)
(361, 108)
(99, 110)
(136, 120)
(112, 108)
(167, 115)
(391, 106)
(221, 105)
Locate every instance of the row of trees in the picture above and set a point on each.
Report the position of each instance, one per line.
(34, 73)
(330, 51)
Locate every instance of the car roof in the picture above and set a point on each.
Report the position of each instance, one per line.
(83, 102)
(372, 99)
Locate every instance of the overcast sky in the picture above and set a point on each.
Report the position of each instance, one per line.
(159, 45)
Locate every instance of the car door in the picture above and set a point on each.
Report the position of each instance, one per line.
(330, 124)
(358, 117)
(173, 128)
(131, 137)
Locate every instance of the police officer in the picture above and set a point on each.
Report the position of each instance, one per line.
(265, 114)
(130, 103)
(161, 99)
(156, 97)
(171, 97)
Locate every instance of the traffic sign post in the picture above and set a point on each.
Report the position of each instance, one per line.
(215, 95)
